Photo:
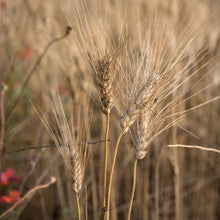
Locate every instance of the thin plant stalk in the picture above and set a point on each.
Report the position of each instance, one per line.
(106, 160)
(157, 182)
(133, 188)
(112, 171)
(78, 206)
(2, 130)
(34, 68)
(86, 212)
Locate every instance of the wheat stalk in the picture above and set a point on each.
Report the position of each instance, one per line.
(67, 138)
(98, 45)
(155, 75)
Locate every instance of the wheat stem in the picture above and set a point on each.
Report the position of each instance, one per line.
(112, 171)
(106, 160)
(78, 206)
(133, 188)
(86, 204)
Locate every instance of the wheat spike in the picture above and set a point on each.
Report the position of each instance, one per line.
(141, 143)
(143, 99)
(77, 171)
(104, 79)
(67, 136)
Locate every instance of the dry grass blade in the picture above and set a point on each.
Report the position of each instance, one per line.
(37, 63)
(40, 147)
(51, 181)
(194, 147)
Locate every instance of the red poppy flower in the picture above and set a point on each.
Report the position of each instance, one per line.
(26, 53)
(14, 196)
(8, 176)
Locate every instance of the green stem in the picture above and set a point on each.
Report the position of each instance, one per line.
(133, 189)
(112, 171)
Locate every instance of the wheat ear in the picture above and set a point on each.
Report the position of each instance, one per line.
(141, 140)
(104, 78)
(67, 139)
(104, 81)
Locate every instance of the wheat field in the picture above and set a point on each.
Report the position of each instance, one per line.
(110, 109)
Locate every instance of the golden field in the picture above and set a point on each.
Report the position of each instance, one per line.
(149, 68)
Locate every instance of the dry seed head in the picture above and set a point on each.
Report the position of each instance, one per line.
(104, 81)
(141, 143)
(139, 104)
(141, 150)
(146, 67)
(155, 73)
(70, 140)
(77, 172)
(98, 37)
(73, 147)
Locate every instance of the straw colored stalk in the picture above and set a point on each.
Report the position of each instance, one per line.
(104, 71)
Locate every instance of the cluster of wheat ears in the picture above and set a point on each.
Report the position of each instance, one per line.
(141, 68)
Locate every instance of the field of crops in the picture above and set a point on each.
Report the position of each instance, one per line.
(110, 109)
